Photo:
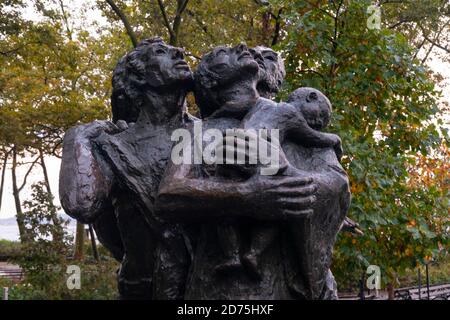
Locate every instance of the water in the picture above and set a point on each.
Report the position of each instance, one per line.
(9, 233)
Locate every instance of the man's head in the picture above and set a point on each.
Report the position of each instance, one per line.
(314, 106)
(271, 71)
(151, 66)
(220, 68)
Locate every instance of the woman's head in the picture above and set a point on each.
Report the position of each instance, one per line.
(151, 66)
(220, 68)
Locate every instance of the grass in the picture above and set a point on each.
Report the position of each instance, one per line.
(98, 279)
(9, 249)
(98, 282)
(439, 273)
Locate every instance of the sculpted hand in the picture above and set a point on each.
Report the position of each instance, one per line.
(95, 128)
(283, 197)
(275, 196)
(245, 150)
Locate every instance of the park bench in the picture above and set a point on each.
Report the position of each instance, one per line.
(437, 292)
(11, 274)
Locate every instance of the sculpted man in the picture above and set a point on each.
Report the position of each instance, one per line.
(111, 173)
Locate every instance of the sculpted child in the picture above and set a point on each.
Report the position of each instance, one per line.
(306, 112)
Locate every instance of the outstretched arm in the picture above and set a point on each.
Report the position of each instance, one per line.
(185, 196)
(292, 125)
(308, 137)
(85, 180)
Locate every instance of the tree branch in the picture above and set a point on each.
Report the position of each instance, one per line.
(10, 52)
(335, 36)
(276, 32)
(166, 20)
(66, 20)
(125, 22)
(419, 47)
(27, 174)
(201, 24)
(182, 4)
(312, 71)
(435, 43)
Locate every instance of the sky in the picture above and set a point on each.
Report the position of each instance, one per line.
(53, 163)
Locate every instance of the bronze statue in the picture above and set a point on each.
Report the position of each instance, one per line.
(271, 71)
(307, 112)
(200, 230)
(107, 169)
(313, 195)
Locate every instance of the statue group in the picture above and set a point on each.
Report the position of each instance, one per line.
(184, 230)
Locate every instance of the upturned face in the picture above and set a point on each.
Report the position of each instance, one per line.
(233, 62)
(166, 66)
(271, 70)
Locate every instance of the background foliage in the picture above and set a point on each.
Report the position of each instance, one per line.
(388, 108)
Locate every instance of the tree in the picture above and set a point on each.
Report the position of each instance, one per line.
(196, 25)
(384, 101)
(424, 22)
(386, 105)
(53, 78)
(48, 244)
(79, 242)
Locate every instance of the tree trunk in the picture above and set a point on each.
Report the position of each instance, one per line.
(44, 171)
(125, 22)
(58, 228)
(2, 179)
(16, 194)
(79, 242)
(265, 31)
(390, 290)
(93, 243)
(276, 32)
(181, 6)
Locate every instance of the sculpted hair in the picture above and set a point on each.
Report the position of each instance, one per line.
(277, 80)
(279, 77)
(129, 80)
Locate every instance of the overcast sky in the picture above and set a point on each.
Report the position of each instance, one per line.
(53, 164)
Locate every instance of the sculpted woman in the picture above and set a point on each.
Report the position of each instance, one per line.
(305, 203)
(164, 221)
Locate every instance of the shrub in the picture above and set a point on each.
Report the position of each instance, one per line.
(9, 249)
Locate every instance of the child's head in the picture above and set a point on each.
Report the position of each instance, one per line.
(314, 106)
